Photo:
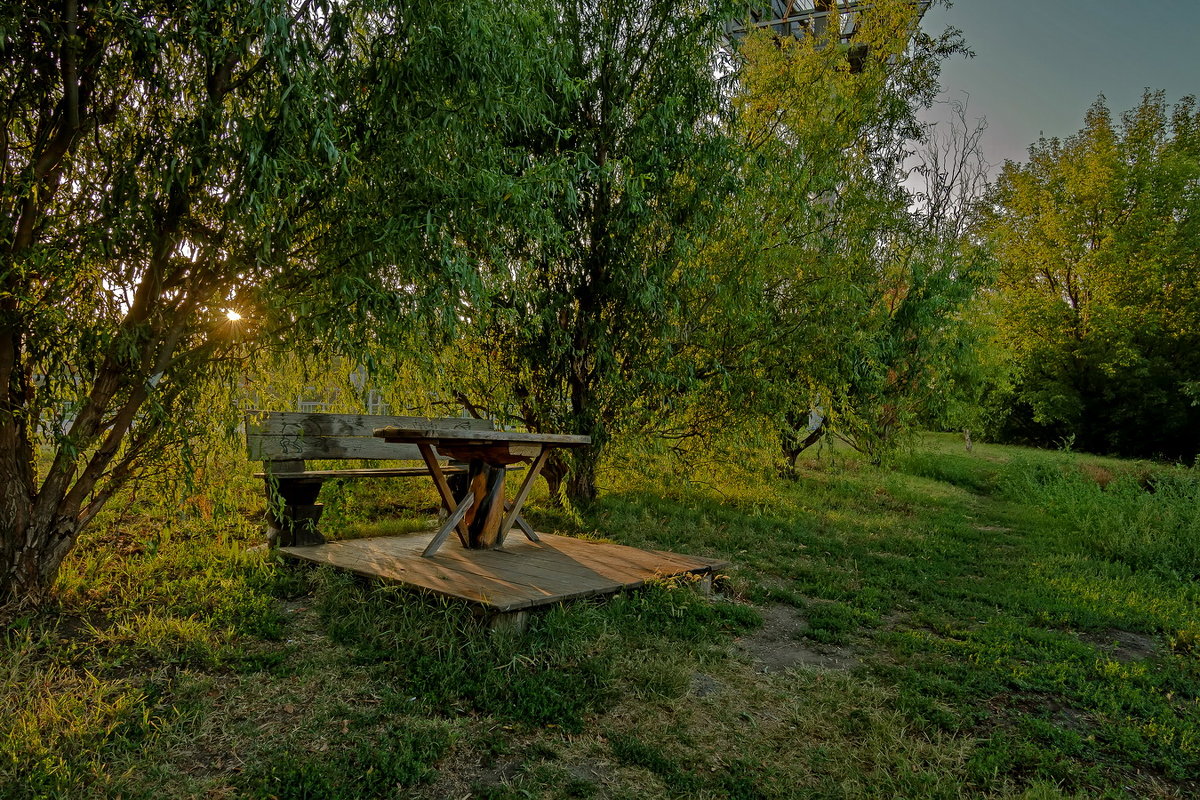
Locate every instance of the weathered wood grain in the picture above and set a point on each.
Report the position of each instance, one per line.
(382, 472)
(450, 524)
(285, 440)
(489, 496)
(284, 435)
(435, 435)
(520, 575)
(514, 511)
(444, 491)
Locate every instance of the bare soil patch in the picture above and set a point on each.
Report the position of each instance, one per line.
(1124, 646)
(779, 644)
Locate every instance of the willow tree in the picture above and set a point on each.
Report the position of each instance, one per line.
(631, 164)
(163, 163)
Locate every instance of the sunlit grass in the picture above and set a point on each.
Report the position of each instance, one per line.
(1014, 629)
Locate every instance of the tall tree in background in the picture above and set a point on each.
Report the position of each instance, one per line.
(834, 294)
(162, 162)
(1098, 242)
(633, 166)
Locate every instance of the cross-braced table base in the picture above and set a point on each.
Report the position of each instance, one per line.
(486, 499)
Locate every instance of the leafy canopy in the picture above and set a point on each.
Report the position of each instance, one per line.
(1099, 287)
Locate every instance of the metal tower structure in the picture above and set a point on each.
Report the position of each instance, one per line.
(801, 18)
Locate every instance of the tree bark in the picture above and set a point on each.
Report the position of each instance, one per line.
(39, 523)
(793, 444)
(574, 481)
(34, 555)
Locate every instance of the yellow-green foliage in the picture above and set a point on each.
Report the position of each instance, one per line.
(60, 722)
(1095, 244)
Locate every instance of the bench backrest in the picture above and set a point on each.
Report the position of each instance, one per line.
(296, 436)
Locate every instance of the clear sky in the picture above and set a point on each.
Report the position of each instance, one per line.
(1039, 64)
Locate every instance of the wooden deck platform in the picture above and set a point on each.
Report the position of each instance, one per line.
(520, 575)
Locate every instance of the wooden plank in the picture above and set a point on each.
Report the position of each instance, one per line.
(494, 454)
(439, 481)
(540, 581)
(534, 469)
(525, 527)
(447, 571)
(278, 435)
(434, 435)
(620, 567)
(447, 526)
(621, 572)
(550, 555)
(559, 581)
(547, 568)
(532, 568)
(616, 561)
(399, 558)
(274, 448)
(494, 593)
(276, 423)
(384, 472)
(525, 575)
(617, 554)
(560, 555)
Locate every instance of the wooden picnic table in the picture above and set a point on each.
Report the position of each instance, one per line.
(481, 517)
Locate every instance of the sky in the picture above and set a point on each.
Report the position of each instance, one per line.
(1039, 65)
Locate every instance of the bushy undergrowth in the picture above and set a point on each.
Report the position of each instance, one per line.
(379, 763)
(60, 725)
(1149, 521)
(89, 684)
(1138, 514)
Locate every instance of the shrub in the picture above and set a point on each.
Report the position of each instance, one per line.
(1148, 523)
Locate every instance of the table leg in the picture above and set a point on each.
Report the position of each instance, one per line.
(525, 527)
(450, 524)
(487, 487)
(293, 511)
(515, 511)
(439, 480)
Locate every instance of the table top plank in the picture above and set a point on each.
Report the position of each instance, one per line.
(394, 433)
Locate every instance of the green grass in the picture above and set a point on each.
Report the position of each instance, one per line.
(1014, 623)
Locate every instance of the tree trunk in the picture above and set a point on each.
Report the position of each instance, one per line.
(572, 479)
(581, 484)
(796, 437)
(33, 554)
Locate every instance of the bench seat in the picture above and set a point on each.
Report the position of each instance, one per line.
(284, 440)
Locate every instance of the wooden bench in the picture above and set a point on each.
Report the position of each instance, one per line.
(285, 440)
